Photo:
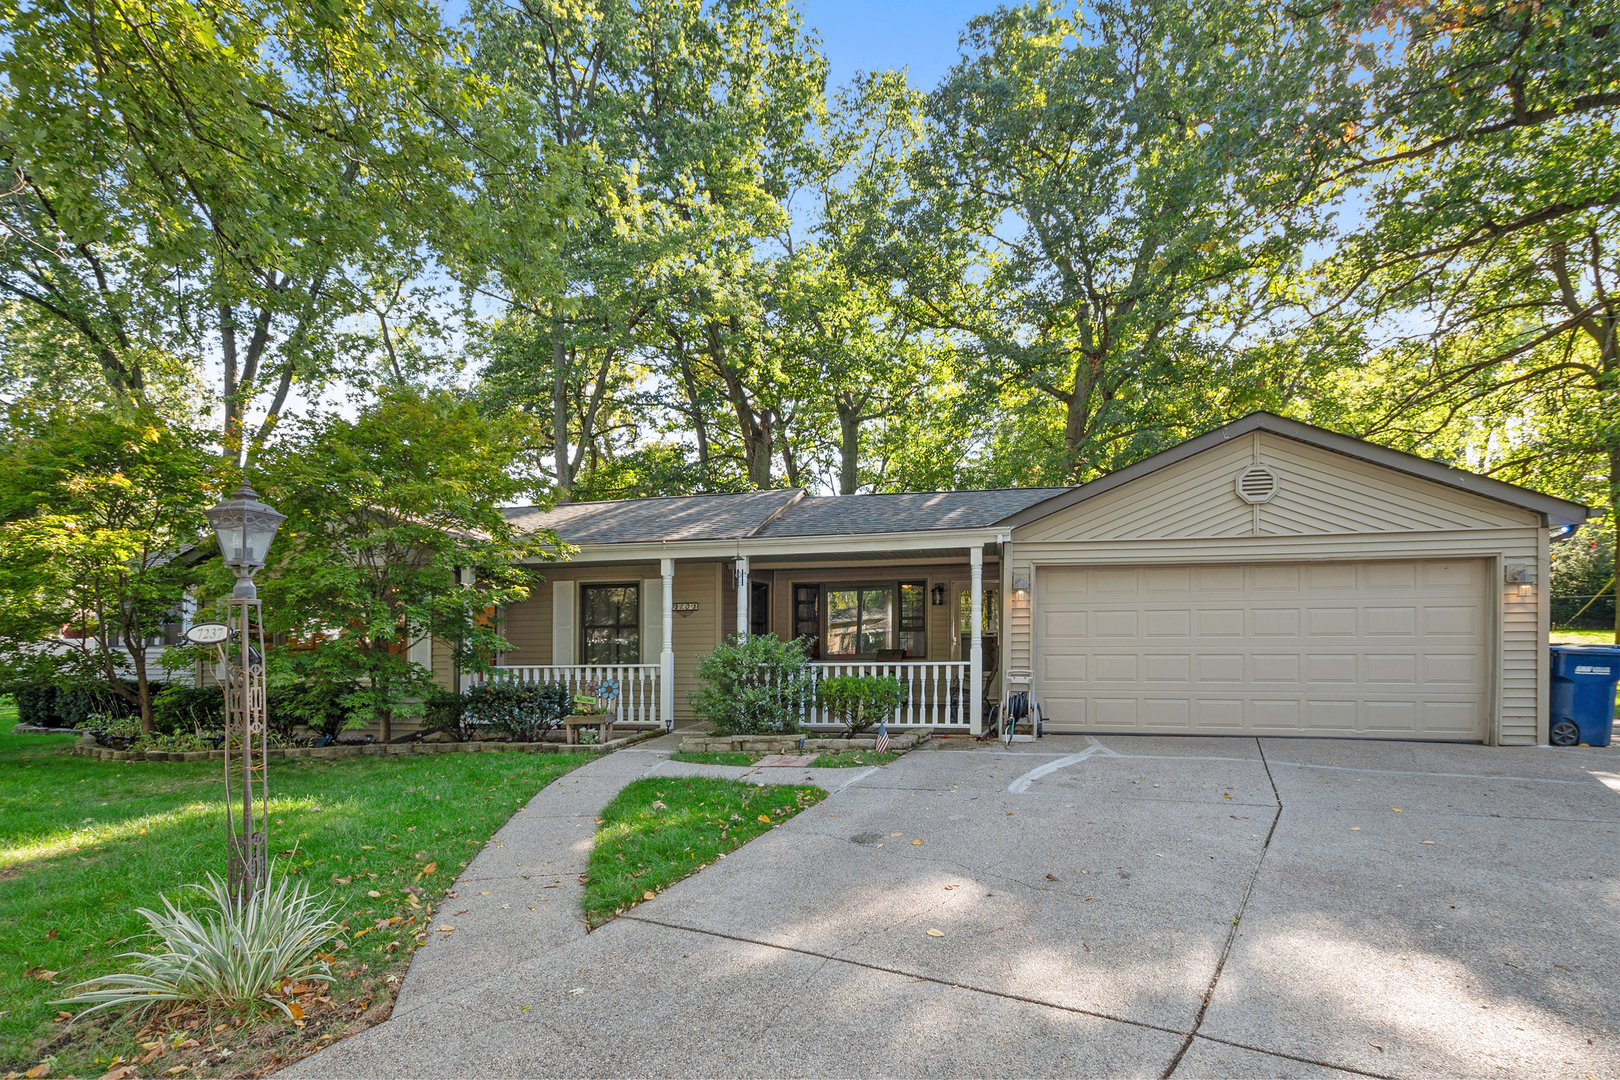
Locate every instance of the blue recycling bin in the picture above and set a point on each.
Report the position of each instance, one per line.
(1583, 682)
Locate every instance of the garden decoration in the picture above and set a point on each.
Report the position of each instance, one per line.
(244, 526)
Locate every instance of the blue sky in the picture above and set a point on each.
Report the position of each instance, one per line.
(871, 36)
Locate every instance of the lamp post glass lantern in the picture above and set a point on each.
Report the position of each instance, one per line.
(244, 527)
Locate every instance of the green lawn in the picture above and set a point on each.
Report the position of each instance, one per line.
(737, 758)
(659, 830)
(1582, 637)
(84, 843)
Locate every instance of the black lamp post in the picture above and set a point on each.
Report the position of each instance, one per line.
(244, 527)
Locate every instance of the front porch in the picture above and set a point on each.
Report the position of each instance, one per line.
(928, 619)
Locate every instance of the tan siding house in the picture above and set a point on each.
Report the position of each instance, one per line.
(1268, 578)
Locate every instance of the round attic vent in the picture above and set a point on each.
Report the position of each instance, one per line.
(1257, 484)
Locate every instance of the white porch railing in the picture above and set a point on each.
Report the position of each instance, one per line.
(638, 684)
(933, 691)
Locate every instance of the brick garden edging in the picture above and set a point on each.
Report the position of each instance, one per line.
(789, 744)
(87, 747)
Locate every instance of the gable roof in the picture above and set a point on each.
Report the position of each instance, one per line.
(779, 514)
(1553, 511)
(911, 511)
(658, 519)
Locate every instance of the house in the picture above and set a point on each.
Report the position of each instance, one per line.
(1266, 578)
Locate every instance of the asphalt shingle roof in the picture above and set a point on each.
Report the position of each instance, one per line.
(922, 511)
(774, 513)
(631, 521)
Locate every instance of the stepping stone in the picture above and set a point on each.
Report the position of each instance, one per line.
(786, 761)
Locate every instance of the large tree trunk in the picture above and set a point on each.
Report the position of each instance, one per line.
(559, 414)
(849, 445)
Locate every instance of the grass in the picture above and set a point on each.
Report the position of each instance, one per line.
(849, 759)
(1582, 637)
(83, 843)
(734, 758)
(657, 831)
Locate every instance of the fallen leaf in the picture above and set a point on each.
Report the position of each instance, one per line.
(189, 1044)
(1226, 795)
(935, 933)
(121, 1072)
(373, 893)
(147, 1060)
(38, 1071)
(1425, 841)
(577, 990)
(426, 870)
(484, 893)
(948, 888)
(914, 843)
(343, 880)
(40, 973)
(648, 895)
(297, 1010)
(1375, 1046)
(765, 817)
(446, 929)
(1355, 828)
(50, 935)
(178, 1069)
(1396, 809)
(897, 834)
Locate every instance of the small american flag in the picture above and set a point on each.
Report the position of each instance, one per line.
(883, 738)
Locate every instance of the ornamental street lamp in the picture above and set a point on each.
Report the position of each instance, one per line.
(244, 527)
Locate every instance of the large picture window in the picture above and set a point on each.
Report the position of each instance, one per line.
(611, 623)
(859, 620)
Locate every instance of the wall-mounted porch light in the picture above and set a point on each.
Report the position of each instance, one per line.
(938, 595)
(1522, 576)
(1021, 586)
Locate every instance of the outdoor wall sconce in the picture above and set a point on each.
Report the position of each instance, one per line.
(938, 595)
(1021, 586)
(1522, 576)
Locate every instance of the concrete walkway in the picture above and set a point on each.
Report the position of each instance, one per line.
(1116, 906)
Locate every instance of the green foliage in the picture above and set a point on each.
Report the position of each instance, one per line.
(100, 514)
(859, 701)
(181, 709)
(225, 952)
(525, 711)
(853, 759)
(657, 831)
(36, 704)
(388, 513)
(446, 710)
(756, 686)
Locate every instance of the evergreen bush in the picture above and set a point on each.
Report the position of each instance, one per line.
(755, 686)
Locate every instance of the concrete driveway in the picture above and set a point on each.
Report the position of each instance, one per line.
(1121, 906)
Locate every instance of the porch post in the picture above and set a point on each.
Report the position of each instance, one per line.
(976, 649)
(740, 579)
(666, 653)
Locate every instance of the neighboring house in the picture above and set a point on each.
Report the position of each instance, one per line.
(1266, 578)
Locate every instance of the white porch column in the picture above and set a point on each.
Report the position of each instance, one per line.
(666, 652)
(740, 579)
(976, 648)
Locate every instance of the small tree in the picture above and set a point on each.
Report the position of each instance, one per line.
(394, 533)
(100, 513)
(755, 686)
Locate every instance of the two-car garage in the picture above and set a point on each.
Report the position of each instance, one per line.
(1271, 578)
(1389, 648)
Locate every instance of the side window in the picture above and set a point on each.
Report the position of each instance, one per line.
(610, 624)
(759, 607)
(807, 616)
(913, 619)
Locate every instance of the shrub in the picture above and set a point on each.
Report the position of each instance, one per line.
(756, 686)
(318, 705)
(524, 711)
(117, 732)
(36, 704)
(859, 701)
(224, 953)
(444, 710)
(185, 709)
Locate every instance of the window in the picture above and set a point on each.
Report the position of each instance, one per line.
(859, 620)
(807, 618)
(989, 619)
(913, 619)
(759, 607)
(611, 623)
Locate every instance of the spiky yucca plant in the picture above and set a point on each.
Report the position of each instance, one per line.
(222, 953)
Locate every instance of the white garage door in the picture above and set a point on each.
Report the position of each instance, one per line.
(1376, 649)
